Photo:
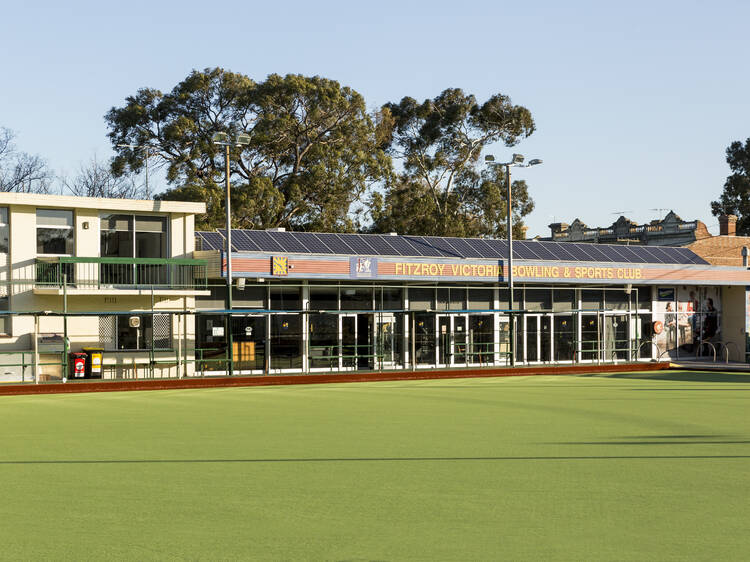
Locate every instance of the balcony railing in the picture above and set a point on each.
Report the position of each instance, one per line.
(121, 273)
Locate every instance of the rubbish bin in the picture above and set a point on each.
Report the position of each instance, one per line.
(94, 357)
(77, 365)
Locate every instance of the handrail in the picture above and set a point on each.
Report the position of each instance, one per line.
(708, 343)
(118, 260)
(652, 342)
(725, 347)
(665, 352)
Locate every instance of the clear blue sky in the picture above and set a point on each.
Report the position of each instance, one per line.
(635, 103)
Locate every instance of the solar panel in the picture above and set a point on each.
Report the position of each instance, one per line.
(358, 243)
(632, 254)
(653, 257)
(469, 247)
(431, 246)
(600, 253)
(667, 255)
(523, 251)
(561, 250)
(487, 250)
(402, 245)
(381, 245)
(241, 242)
(498, 247)
(265, 241)
(542, 251)
(450, 247)
(289, 242)
(313, 242)
(423, 246)
(336, 244)
(211, 240)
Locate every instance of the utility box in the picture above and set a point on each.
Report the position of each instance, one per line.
(77, 365)
(94, 360)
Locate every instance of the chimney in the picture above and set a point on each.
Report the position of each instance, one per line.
(728, 225)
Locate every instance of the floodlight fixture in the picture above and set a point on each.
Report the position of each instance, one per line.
(517, 159)
(535, 162)
(220, 137)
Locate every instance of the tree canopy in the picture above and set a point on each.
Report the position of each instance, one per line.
(735, 199)
(441, 189)
(312, 150)
(20, 171)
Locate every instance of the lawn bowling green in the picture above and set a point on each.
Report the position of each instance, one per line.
(631, 466)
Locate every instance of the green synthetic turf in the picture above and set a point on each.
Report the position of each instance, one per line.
(651, 466)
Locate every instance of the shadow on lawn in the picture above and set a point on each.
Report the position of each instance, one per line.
(681, 376)
(363, 459)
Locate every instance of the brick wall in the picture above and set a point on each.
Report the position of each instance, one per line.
(721, 250)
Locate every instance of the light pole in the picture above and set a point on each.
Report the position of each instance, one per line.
(516, 160)
(222, 139)
(147, 151)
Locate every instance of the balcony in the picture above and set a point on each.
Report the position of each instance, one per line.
(175, 276)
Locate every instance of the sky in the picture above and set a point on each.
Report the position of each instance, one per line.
(635, 103)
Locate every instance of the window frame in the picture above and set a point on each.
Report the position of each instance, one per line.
(70, 228)
(132, 217)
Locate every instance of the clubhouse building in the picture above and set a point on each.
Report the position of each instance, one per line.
(137, 293)
(308, 302)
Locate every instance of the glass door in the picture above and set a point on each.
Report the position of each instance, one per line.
(349, 341)
(385, 340)
(459, 340)
(249, 342)
(616, 337)
(444, 340)
(532, 338)
(590, 337)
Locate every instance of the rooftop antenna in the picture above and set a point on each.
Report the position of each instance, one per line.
(660, 211)
(620, 212)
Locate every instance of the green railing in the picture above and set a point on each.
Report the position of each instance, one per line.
(121, 273)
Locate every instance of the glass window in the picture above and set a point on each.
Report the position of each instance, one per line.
(481, 299)
(564, 300)
(129, 236)
(591, 299)
(616, 300)
(356, 298)
(390, 298)
(538, 299)
(3, 230)
(421, 298)
(54, 232)
(4, 320)
(285, 298)
(644, 298)
(503, 296)
(324, 298)
(451, 298)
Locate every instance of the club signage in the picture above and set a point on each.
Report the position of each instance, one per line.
(521, 271)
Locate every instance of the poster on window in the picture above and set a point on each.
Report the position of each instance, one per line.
(690, 318)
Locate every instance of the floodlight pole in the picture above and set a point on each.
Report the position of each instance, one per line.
(230, 342)
(222, 139)
(516, 160)
(512, 346)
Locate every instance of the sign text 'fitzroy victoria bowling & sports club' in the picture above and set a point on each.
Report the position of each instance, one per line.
(527, 271)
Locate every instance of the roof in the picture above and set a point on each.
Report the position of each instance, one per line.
(100, 203)
(317, 243)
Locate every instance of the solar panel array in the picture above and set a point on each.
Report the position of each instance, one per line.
(432, 246)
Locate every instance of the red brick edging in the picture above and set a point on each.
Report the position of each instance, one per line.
(218, 382)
